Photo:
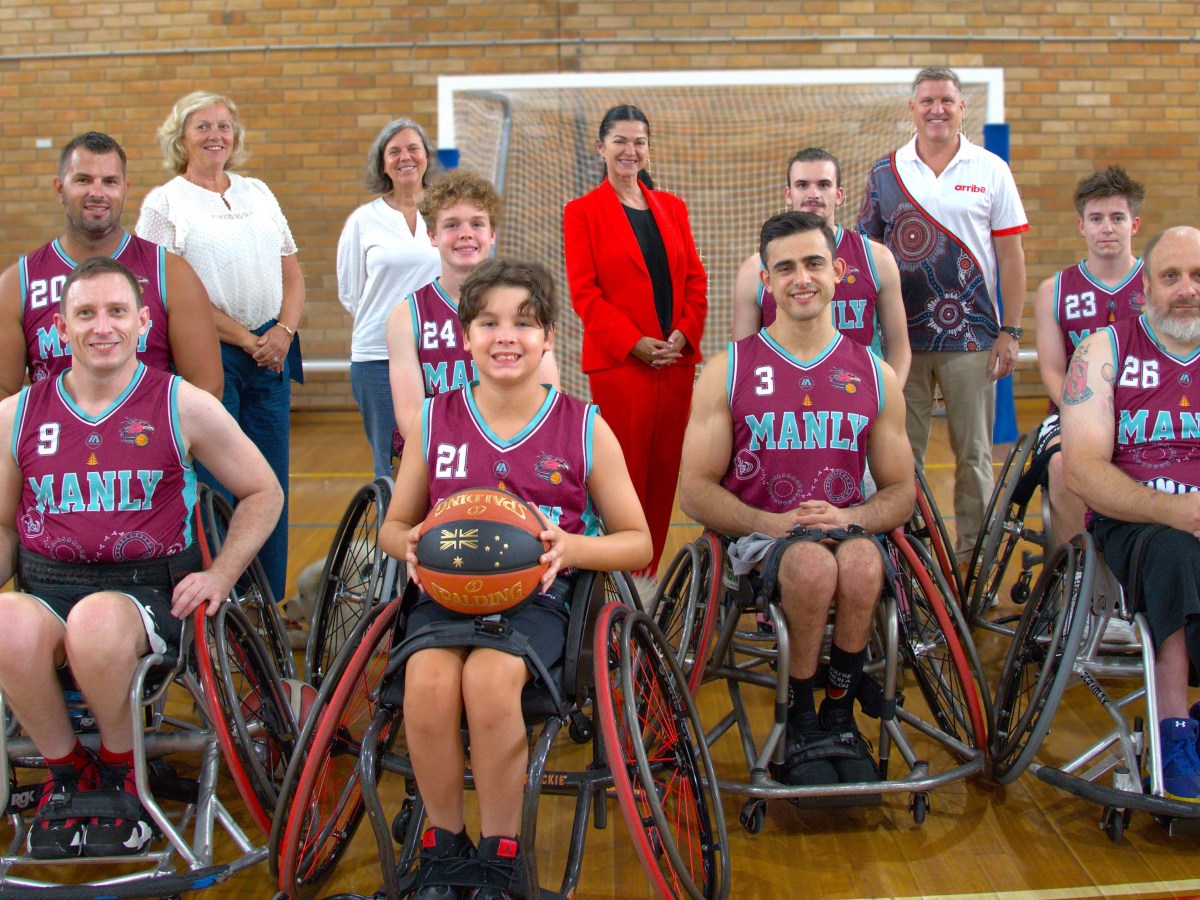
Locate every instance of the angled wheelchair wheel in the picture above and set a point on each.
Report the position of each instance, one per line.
(930, 643)
(250, 712)
(326, 804)
(357, 576)
(1004, 529)
(928, 526)
(662, 772)
(1040, 660)
(685, 606)
(251, 591)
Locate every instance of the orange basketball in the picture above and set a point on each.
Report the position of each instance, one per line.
(479, 551)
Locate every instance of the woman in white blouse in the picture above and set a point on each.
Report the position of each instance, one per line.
(385, 254)
(235, 236)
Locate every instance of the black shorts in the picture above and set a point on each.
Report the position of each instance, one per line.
(148, 583)
(543, 620)
(1168, 573)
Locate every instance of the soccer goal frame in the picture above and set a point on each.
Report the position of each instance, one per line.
(720, 139)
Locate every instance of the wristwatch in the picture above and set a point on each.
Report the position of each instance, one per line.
(1013, 331)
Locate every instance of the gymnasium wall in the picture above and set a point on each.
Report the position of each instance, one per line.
(1088, 83)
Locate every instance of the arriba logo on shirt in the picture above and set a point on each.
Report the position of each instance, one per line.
(971, 188)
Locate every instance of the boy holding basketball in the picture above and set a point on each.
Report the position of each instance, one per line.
(505, 430)
(425, 349)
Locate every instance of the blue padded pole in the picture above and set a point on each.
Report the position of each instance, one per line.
(1004, 429)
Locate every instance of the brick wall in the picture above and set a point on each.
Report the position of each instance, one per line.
(1088, 83)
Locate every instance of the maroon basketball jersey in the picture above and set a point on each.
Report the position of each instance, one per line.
(43, 273)
(1155, 397)
(1083, 303)
(445, 365)
(800, 427)
(547, 463)
(106, 489)
(853, 306)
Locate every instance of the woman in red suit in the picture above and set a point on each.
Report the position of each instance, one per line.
(639, 286)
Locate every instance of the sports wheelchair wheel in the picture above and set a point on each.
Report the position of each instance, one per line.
(250, 712)
(928, 526)
(1004, 528)
(325, 806)
(356, 577)
(685, 606)
(655, 746)
(1040, 659)
(930, 645)
(251, 591)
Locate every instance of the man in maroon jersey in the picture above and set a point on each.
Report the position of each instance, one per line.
(782, 427)
(92, 187)
(1131, 445)
(96, 500)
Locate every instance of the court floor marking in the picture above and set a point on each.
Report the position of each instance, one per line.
(1177, 890)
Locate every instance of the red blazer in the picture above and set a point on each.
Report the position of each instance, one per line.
(610, 284)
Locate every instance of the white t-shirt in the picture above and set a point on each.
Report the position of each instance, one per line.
(379, 263)
(235, 241)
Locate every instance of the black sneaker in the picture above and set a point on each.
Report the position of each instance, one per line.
(855, 761)
(499, 864)
(445, 859)
(52, 836)
(130, 829)
(805, 762)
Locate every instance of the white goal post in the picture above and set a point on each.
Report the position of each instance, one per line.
(720, 140)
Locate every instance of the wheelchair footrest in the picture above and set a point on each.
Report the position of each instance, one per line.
(1109, 796)
(836, 801)
(150, 886)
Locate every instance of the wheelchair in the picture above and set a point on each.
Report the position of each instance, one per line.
(186, 810)
(731, 629)
(617, 687)
(252, 592)
(1058, 643)
(1022, 476)
(356, 576)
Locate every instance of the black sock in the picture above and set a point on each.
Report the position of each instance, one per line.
(845, 672)
(800, 697)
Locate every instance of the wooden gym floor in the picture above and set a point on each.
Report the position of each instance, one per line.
(979, 840)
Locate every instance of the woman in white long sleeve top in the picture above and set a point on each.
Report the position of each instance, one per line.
(384, 254)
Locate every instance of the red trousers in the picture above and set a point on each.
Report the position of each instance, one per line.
(647, 409)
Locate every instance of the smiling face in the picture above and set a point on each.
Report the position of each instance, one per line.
(463, 235)
(102, 321)
(507, 344)
(625, 149)
(812, 187)
(802, 274)
(1108, 227)
(937, 111)
(405, 159)
(92, 191)
(208, 137)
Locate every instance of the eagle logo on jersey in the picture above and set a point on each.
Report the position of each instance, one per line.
(550, 468)
(1137, 302)
(850, 276)
(845, 381)
(136, 432)
(746, 465)
(143, 283)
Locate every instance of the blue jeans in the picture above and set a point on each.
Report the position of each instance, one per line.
(373, 394)
(260, 402)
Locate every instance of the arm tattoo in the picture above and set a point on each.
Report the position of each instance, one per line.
(1075, 389)
(1108, 373)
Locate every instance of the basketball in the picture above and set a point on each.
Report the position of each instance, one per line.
(479, 551)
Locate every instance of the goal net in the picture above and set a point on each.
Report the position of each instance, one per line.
(720, 141)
